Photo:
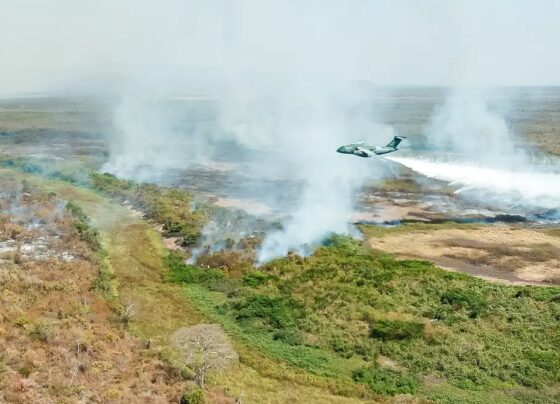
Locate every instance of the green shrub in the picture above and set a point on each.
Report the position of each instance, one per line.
(342, 346)
(77, 212)
(82, 226)
(288, 336)
(467, 299)
(170, 207)
(255, 278)
(386, 381)
(194, 396)
(181, 272)
(396, 329)
(24, 371)
(546, 360)
(277, 312)
(109, 184)
(187, 373)
(42, 332)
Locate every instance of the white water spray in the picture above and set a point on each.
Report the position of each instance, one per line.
(530, 187)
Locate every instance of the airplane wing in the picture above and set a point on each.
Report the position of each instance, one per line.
(366, 152)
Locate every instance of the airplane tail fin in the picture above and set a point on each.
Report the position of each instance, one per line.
(396, 141)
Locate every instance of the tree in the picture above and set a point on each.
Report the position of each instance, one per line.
(205, 348)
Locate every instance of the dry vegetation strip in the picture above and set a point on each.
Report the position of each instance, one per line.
(135, 254)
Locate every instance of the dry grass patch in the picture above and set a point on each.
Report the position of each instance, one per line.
(502, 252)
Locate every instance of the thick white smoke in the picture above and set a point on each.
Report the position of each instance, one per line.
(299, 133)
(466, 125)
(154, 134)
(293, 132)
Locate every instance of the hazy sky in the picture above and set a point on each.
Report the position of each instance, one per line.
(108, 44)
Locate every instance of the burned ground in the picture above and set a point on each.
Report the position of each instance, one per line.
(59, 338)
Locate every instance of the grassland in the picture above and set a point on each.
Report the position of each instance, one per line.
(357, 317)
(347, 323)
(395, 327)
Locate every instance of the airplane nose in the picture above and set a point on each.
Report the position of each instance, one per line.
(340, 149)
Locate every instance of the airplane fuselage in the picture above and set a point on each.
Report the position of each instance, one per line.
(365, 151)
(360, 149)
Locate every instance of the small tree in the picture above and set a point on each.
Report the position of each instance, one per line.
(205, 348)
(127, 313)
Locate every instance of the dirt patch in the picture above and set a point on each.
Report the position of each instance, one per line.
(134, 212)
(389, 212)
(171, 243)
(387, 363)
(503, 253)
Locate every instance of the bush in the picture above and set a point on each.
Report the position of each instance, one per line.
(181, 272)
(193, 396)
(24, 371)
(467, 299)
(545, 360)
(386, 381)
(170, 207)
(42, 332)
(342, 346)
(290, 337)
(276, 312)
(255, 278)
(109, 184)
(396, 329)
(82, 226)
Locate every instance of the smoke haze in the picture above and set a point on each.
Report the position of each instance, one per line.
(174, 45)
(290, 81)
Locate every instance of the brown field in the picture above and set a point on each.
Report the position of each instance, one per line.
(497, 252)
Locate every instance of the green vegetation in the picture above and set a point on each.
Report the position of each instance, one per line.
(67, 171)
(104, 282)
(180, 272)
(386, 381)
(400, 185)
(334, 314)
(387, 330)
(411, 226)
(173, 208)
(83, 227)
(193, 396)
